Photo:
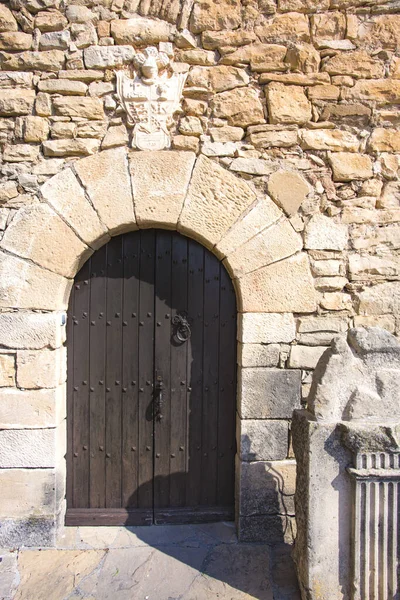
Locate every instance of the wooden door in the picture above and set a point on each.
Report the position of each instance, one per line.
(151, 384)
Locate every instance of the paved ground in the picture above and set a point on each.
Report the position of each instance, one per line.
(191, 562)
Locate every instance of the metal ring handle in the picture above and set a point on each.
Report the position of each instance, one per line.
(183, 331)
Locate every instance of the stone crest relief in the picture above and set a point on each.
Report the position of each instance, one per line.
(150, 99)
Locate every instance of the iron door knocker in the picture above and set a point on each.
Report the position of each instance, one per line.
(182, 327)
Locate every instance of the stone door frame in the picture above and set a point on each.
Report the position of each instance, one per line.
(43, 248)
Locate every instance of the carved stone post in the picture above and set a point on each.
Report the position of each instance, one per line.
(347, 446)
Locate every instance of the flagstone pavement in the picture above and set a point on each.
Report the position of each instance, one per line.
(175, 562)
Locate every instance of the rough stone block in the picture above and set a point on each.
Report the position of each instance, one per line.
(20, 153)
(267, 529)
(305, 357)
(383, 91)
(286, 286)
(263, 440)
(267, 488)
(287, 104)
(41, 368)
(289, 190)
(269, 246)
(262, 57)
(358, 64)
(39, 234)
(140, 30)
(65, 87)
(291, 26)
(20, 409)
(75, 106)
(269, 393)
(27, 448)
(36, 129)
(241, 107)
(261, 215)
(384, 140)
(16, 102)
(160, 182)
(328, 139)
(7, 369)
(214, 16)
(347, 166)
(258, 355)
(25, 285)
(71, 147)
(214, 201)
(266, 328)
(31, 330)
(319, 331)
(322, 233)
(107, 57)
(47, 60)
(7, 19)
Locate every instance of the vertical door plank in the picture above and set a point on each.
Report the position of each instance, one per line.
(210, 385)
(195, 370)
(146, 368)
(130, 358)
(97, 365)
(71, 316)
(114, 372)
(81, 350)
(179, 384)
(162, 364)
(227, 392)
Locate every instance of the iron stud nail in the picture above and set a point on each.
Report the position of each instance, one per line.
(91, 389)
(133, 315)
(108, 323)
(189, 389)
(148, 448)
(158, 455)
(108, 455)
(172, 455)
(84, 382)
(149, 314)
(101, 448)
(101, 314)
(85, 447)
(124, 389)
(167, 316)
(86, 282)
(133, 382)
(77, 287)
(158, 324)
(117, 315)
(181, 448)
(92, 322)
(141, 323)
(183, 382)
(101, 382)
(108, 389)
(84, 314)
(147, 382)
(76, 389)
(141, 389)
(133, 448)
(125, 323)
(117, 383)
(75, 454)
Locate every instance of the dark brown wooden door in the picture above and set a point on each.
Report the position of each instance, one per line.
(151, 384)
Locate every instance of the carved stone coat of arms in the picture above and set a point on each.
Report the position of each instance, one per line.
(150, 99)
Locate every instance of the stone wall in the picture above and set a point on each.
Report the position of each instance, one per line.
(296, 99)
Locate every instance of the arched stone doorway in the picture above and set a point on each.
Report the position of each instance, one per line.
(45, 245)
(151, 384)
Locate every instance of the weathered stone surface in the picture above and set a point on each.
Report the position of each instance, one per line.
(15, 41)
(214, 201)
(267, 487)
(303, 5)
(87, 108)
(223, 78)
(15, 79)
(227, 134)
(186, 143)
(385, 91)
(210, 15)
(16, 102)
(7, 369)
(328, 26)
(160, 181)
(358, 64)
(322, 233)
(191, 126)
(41, 368)
(324, 92)
(63, 86)
(50, 21)
(376, 267)
(261, 57)
(7, 20)
(35, 129)
(8, 190)
(287, 104)
(241, 106)
(21, 409)
(295, 78)
(31, 330)
(348, 166)
(326, 139)
(20, 153)
(140, 30)
(274, 139)
(219, 149)
(274, 530)
(319, 331)
(269, 393)
(266, 328)
(48, 60)
(39, 234)
(55, 40)
(305, 357)
(263, 214)
(25, 285)
(289, 190)
(197, 56)
(115, 136)
(71, 147)
(252, 166)
(212, 40)
(64, 193)
(258, 355)
(384, 140)
(291, 26)
(263, 440)
(107, 57)
(270, 245)
(380, 299)
(43, 104)
(304, 58)
(27, 449)
(385, 32)
(24, 492)
(106, 179)
(286, 286)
